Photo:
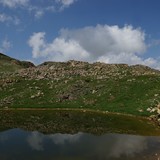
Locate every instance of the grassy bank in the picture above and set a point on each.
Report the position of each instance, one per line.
(73, 121)
(110, 95)
(128, 95)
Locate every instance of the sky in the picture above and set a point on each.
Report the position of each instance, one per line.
(110, 31)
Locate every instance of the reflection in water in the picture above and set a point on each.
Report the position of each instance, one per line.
(17, 144)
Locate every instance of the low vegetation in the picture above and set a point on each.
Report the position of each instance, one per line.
(114, 88)
(8, 64)
(117, 88)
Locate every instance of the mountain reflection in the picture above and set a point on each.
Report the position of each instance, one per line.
(18, 144)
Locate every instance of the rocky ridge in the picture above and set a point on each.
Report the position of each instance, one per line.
(60, 70)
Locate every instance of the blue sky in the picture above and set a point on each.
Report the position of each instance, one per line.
(110, 31)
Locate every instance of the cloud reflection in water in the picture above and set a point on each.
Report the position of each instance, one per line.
(34, 145)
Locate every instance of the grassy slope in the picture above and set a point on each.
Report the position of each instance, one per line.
(109, 95)
(8, 64)
(131, 94)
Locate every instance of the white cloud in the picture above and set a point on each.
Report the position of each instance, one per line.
(9, 19)
(130, 59)
(65, 50)
(65, 3)
(59, 49)
(102, 40)
(39, 9)
(39, 14)
(14, 3)
(5, 45)
(110, 44)
(4, 18)
(37, 42)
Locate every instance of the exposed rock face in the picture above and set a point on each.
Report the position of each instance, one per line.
(59, 70)
(155, 110)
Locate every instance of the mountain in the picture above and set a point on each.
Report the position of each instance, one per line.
(10, 64)
(75, 84)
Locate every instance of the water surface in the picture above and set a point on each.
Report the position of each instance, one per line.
(18, 144)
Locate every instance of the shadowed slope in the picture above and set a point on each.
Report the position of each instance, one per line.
(8, 64)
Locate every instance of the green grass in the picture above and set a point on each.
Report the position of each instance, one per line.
(109, 95)
(8, 64)
(118, 91)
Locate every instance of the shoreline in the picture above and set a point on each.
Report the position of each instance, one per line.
(67, 120)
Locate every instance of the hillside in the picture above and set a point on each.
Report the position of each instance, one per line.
(75, 84)
(8, 64)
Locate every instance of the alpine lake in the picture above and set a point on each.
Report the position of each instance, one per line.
(76, 135)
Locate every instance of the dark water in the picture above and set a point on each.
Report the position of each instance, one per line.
(17, 144)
